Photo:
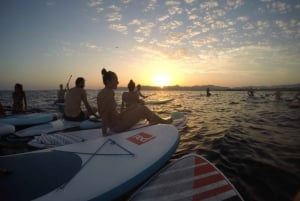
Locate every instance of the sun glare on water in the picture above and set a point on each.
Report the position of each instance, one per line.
(161, 80)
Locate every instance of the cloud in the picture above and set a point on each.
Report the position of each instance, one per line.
(89, 45)
(139, 39)
(115, 8)
(209, 5)
(145, 29)
(163, 18)
(94, 3)
(171, 25)
(152, 4)
(111, 17)
(189, 1)
(234, 4)
(280, 7)
(135, 22)
(118, 27)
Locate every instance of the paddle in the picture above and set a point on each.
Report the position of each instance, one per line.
(67, 85)
(149, 95)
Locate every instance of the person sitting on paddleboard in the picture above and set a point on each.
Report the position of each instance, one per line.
(138, 91)
(129, 98)
(19, 99)
(107, 108)
(74, 96)
(61, 94)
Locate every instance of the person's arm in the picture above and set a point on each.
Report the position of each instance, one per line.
(104, 111)
(86, 103)
(143, 96)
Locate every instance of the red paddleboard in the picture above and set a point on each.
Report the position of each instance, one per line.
(191, 177)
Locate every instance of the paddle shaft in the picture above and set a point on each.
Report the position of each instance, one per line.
(67, 85)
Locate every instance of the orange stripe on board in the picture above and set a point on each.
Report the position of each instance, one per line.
(203, 169)
(207, 180)
(211, 193)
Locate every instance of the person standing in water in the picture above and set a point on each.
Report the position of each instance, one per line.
(120, 121)
(250, 92)
(129, 98)
(208, 92)
(74, 97)
(19, 99)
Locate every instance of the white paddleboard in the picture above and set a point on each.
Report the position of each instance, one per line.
(191, 177)
(157, 102)
(100, 169)
(28, 119)
(64, 138)
(179, 120)
(50, 127)
(6, 129)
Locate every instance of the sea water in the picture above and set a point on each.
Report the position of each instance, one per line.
(254, 142)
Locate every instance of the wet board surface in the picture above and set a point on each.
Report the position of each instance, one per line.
(191, 177)
(75, 172)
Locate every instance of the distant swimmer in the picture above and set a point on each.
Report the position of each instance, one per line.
(277, 94)
(208, 92)
(250, 92)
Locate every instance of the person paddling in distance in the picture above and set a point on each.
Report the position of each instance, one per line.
(74, 97)
(129, 98)
(19, 99)
(107, 108)
(250, 92)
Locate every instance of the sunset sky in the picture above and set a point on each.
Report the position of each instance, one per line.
(154, 42)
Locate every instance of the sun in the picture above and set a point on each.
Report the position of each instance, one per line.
(161, 80)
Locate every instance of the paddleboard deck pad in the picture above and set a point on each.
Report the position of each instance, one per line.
(47, 128)
(100, 169)
(191, 177)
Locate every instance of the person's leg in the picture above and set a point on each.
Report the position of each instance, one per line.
(130, 117)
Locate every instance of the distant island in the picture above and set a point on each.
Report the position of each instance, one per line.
(291, 87)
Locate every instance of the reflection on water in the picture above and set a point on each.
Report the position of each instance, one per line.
(255, 142)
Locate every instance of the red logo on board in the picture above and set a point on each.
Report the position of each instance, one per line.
(141, 138)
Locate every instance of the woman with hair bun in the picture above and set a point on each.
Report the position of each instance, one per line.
(114, 120)
(130, 97)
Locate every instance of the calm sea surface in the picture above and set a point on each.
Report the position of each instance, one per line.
(255, 142)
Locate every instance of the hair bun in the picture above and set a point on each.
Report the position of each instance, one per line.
(103, 71)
